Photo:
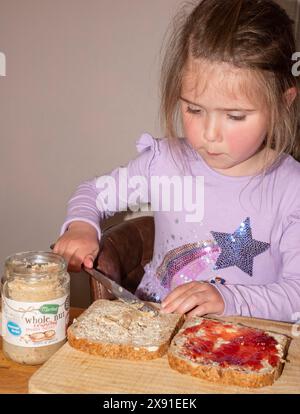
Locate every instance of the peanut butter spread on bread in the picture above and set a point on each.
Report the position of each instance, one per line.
(118, 322)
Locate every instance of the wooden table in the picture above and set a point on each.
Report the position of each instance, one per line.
(13, 376)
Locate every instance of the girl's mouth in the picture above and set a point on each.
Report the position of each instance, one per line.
(212, 154)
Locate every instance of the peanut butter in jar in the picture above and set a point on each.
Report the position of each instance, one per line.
(35, 306)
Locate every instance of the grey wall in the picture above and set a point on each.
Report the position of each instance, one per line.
(293, 9)
(81, 86)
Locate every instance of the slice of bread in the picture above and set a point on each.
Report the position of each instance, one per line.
(228, 353)
(114, 329)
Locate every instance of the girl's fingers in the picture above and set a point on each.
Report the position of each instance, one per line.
(210, 307)
(66, 252)
(200, 310)
(187, 301)
(55, 248)
(182, 291)
(75, 256)
(74, 261)
(89, 259)
(177, 292)
(88, 262)
(59, 248)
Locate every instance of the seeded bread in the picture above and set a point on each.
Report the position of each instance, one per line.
(114, 329)
(228, 353)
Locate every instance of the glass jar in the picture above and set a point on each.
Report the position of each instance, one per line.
(35, 306)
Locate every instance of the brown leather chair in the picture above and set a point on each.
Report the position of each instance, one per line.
(124, 249)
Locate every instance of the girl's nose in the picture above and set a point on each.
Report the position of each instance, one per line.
(212, 131)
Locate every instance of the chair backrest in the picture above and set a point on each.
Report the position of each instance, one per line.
(124, 251)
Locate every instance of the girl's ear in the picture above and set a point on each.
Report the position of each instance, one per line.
(290, 95)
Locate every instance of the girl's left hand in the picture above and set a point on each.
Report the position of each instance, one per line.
(194, 298)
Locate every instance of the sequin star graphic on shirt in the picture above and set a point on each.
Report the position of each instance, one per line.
(239, 248)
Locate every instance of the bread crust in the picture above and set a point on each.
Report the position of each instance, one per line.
(118, 351)
(223, 376)
(229, 375)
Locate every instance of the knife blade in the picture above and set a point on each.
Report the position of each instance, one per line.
(119, 291)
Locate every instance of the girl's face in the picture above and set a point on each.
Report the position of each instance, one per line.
(220, 122)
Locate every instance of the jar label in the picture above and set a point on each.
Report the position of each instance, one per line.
(35, 324)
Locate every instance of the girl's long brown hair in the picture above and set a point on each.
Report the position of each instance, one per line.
(251, 34)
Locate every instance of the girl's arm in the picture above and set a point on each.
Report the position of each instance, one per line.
(278, 301)
(102, 197)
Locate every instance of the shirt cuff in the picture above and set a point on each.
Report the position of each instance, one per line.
(228, 298)
(64, 227)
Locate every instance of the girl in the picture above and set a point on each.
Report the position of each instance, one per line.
(228, 88)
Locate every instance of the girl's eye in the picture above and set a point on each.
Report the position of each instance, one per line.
(193, 111)
(237, 118)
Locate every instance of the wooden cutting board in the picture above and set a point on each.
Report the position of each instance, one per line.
(71, 371)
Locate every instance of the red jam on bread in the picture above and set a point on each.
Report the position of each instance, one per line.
(230, 345)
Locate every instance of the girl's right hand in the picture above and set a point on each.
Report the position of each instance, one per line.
(78, 245)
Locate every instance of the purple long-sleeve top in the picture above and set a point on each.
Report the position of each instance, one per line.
(241, 234)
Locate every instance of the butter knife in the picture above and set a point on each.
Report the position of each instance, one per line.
(119, 291)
